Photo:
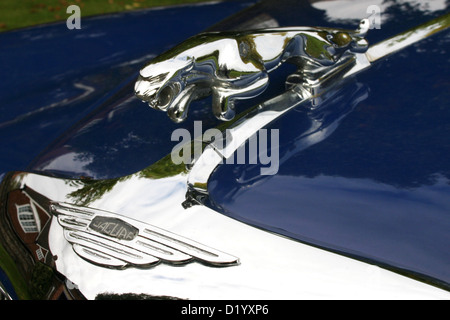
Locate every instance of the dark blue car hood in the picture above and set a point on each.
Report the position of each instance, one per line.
(375, 188)
(66, 98)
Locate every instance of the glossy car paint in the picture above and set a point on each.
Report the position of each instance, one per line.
(376, 188)
(66, 98)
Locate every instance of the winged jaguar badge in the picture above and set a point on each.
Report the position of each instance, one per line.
(110, 240)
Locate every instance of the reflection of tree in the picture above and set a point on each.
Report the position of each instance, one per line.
(41, 281)
(162, 169)
(17, 181)
(132, 296)
(8, 265)
(92, 190)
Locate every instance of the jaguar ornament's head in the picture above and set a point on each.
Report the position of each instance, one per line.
(353, 41)
(162, 84)
(331, 44)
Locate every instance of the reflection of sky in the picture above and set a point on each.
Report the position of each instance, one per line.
(159, 197)
(70, 159)
(358, 9)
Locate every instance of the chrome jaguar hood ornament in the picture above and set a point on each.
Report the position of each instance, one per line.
(235, 65)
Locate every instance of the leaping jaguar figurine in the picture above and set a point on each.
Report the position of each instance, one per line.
(235, 65)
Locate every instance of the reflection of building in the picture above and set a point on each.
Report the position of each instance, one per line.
(29, 214)
(24, 227)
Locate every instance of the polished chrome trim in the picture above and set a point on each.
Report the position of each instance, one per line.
(150, 246)
(407, 38)
(4, 295)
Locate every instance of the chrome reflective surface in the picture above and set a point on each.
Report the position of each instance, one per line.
(235, 65)
(306, 271)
